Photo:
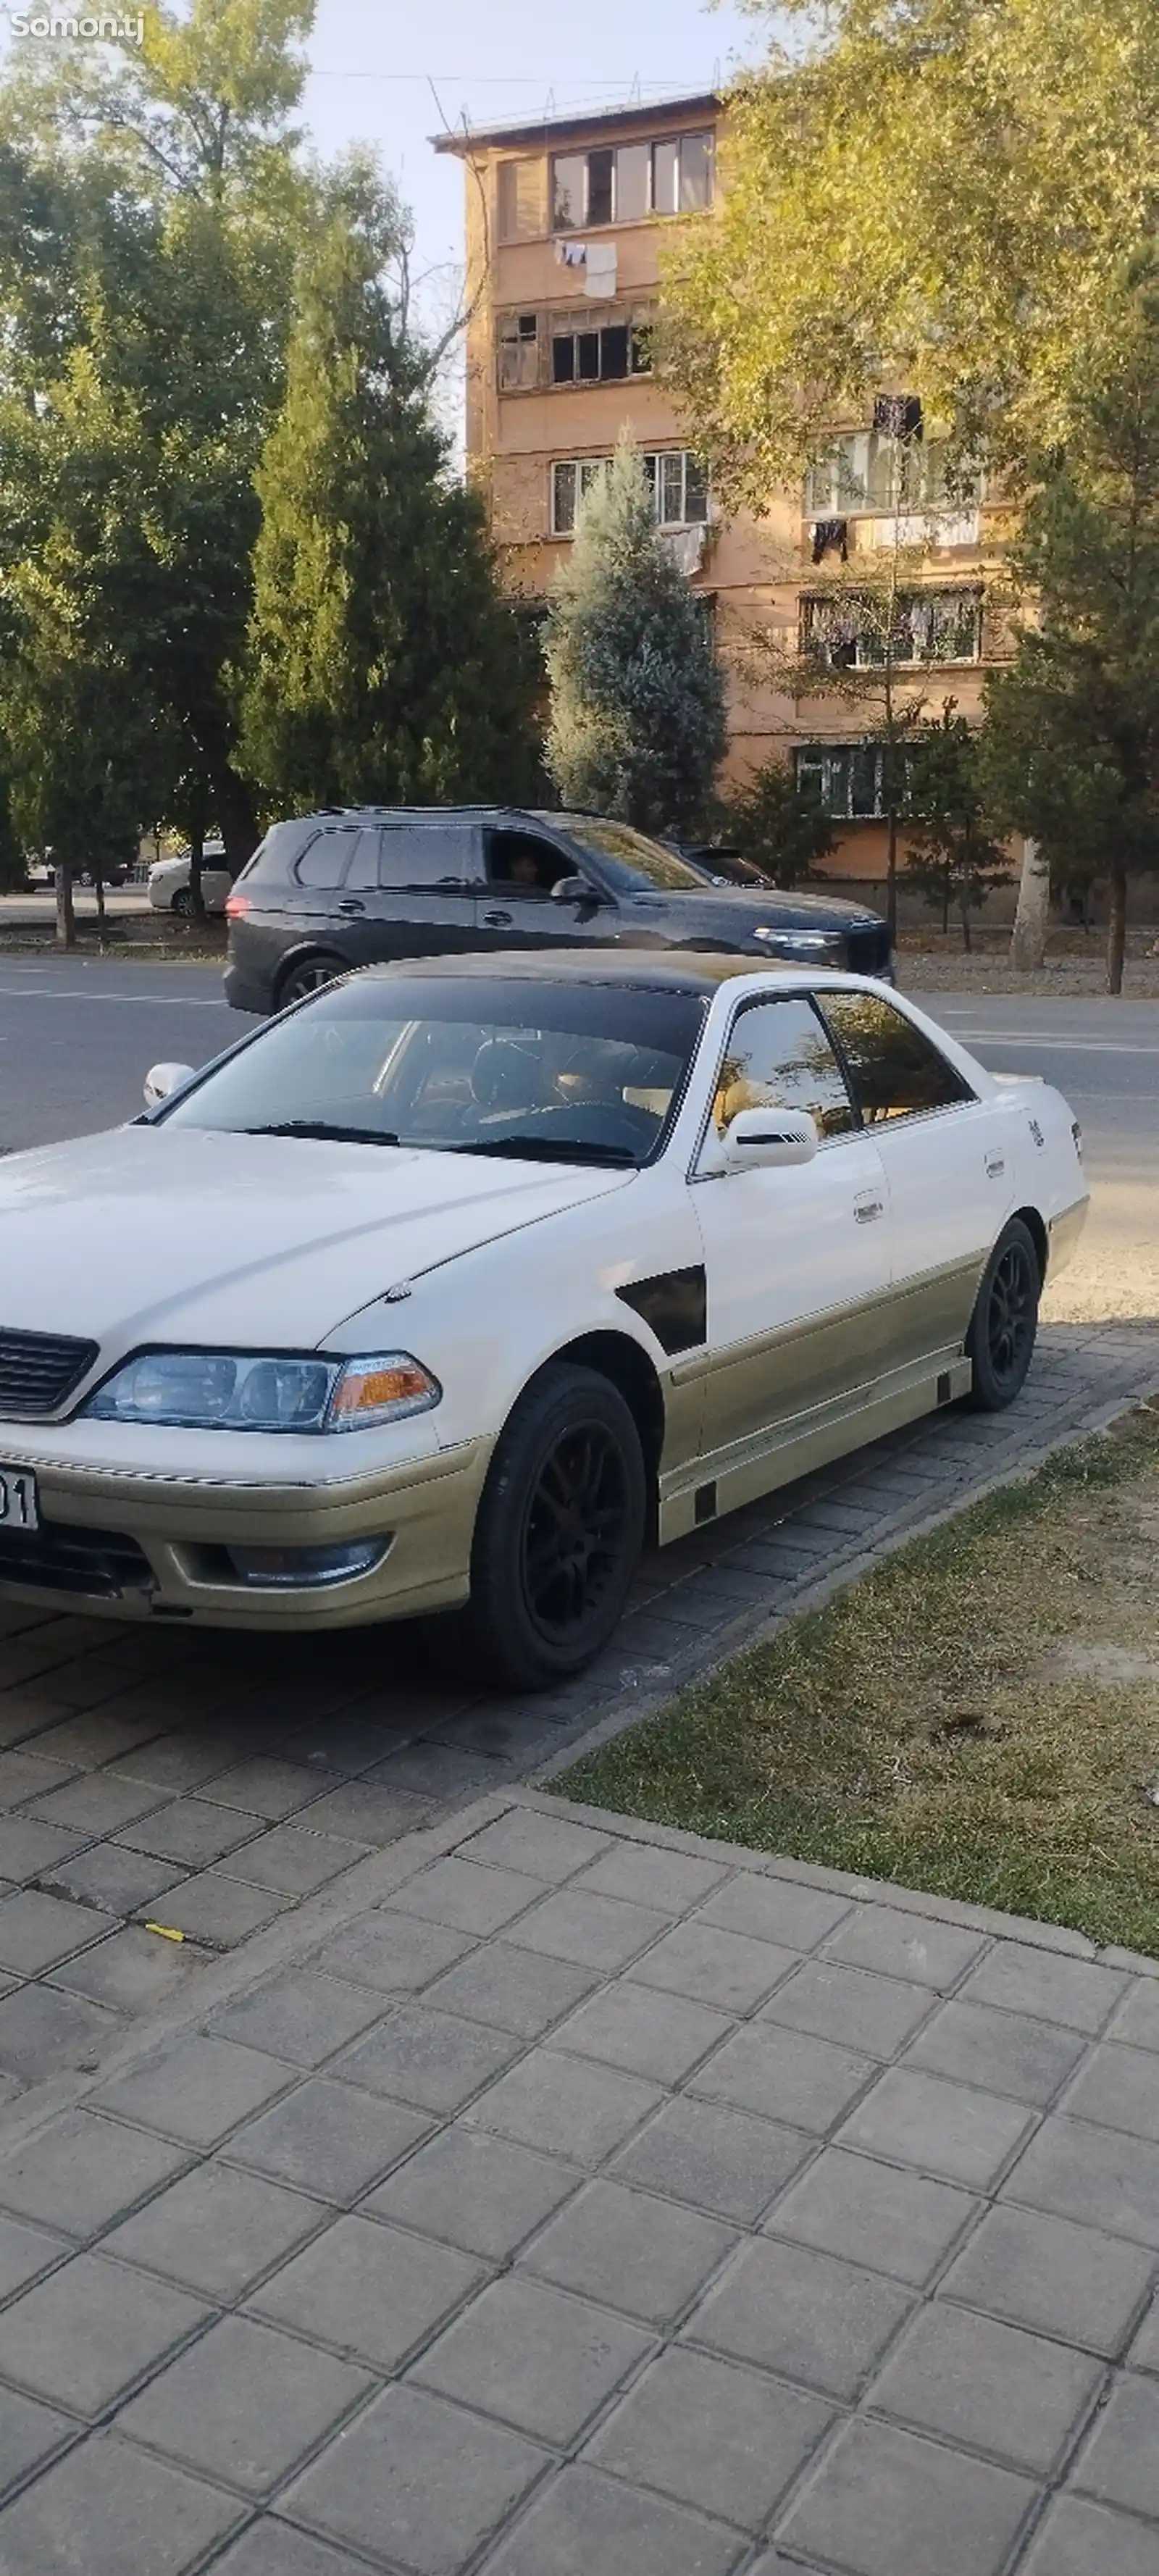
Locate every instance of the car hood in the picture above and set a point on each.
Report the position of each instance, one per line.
(722, 915)
(180, 1233)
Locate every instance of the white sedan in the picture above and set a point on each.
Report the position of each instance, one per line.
(456, 1282)
(170, 889)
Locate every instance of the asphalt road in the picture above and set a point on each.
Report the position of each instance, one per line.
(77, 1038)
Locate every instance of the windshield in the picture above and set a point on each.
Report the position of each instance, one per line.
(628, 858)
(556, 1073)
(727, 867)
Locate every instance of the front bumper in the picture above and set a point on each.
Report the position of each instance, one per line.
(135, 1546)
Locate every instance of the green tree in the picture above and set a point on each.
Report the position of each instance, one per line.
(149, 210)
(953, 859)
(637, 694)
(383, 662)
(1072, 731)
(779, 825)
(938, 190)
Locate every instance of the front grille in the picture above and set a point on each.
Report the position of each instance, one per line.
(96, 1563)
(38, 1372)
(869, 949)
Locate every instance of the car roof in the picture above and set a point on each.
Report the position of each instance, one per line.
(683, 971)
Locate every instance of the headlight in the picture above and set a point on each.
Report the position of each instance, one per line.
(802, 943)
(241, 1391)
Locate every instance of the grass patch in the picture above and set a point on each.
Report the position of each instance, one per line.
(978, 1717)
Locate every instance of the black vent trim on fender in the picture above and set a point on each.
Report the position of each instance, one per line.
(674, 1305)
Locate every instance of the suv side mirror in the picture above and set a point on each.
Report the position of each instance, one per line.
(163, 1080)
(573, 890)
(769, 1139)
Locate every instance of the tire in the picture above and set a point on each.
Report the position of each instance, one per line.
(1004, 1324)
(559, 1532)
(311, 975)
(183, 902)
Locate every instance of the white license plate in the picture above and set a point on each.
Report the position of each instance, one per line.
(19, 1508)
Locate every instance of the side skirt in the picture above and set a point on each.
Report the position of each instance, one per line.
(810, 1440)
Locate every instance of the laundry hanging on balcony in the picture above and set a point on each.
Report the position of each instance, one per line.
(830, 536)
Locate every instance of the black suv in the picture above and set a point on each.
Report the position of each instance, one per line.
(336, 890)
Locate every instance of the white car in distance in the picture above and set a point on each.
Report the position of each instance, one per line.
(169, 886)
(461, 1280)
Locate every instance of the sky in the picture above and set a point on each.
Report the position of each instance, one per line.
(393, 74)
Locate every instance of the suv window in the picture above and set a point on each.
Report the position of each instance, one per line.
(778, 1056)
(418, 857)
(524, 862)
(896, 1072)
(324, 861)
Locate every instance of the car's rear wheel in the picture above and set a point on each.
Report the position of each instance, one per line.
(311, 975)
(560, 1529)
(1004, 1326)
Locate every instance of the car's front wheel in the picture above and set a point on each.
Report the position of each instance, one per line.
(183, 902)
(560, 1529)
(1004, 1326)
(310, 976)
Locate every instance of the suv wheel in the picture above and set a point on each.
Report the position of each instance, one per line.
(311, 976)
(560, 1529)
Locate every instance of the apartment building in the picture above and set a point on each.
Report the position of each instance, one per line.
(565, 233)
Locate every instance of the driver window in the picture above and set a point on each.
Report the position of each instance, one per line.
(521, 861)
(779, 1057)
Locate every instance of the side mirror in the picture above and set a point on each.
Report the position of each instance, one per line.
(573, 890)
(164, 1080)
(769, 1139)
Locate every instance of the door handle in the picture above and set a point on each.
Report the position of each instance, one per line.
(866, 1206)
(352, 905)
(496, 920)
(995, 1166)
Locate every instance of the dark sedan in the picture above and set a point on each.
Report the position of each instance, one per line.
(337, 890)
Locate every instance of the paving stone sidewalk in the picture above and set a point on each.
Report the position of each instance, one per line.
(235, 1788)
(604, 2202)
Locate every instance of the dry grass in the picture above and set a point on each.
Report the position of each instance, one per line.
(979, 1717)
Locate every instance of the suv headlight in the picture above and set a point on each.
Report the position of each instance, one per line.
(267, 1391)
(801, 943)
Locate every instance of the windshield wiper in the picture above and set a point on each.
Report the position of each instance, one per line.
(541, 1149)
(322, 1132)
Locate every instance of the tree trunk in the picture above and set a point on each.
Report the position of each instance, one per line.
(1116, 926)
(65, 911)
(966, 939)
(1028, 943)
(891, 880)
(99, 891)
(196, 861)
(237, 821)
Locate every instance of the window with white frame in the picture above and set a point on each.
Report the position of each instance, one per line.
(624, 183)
(517, 336)
(677, 481)
(852, 779)
(855, 632)
(865, 471)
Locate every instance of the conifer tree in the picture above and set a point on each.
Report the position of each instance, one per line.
(384, 664)
(637, 694)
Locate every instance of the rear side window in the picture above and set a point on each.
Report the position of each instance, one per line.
(417, 857)
(326, 860)
(895, 1070)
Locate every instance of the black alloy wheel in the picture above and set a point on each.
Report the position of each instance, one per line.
(560, 1529)
(312, 976)
(183, 902)
(1005, 1322)
(573, 1530)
